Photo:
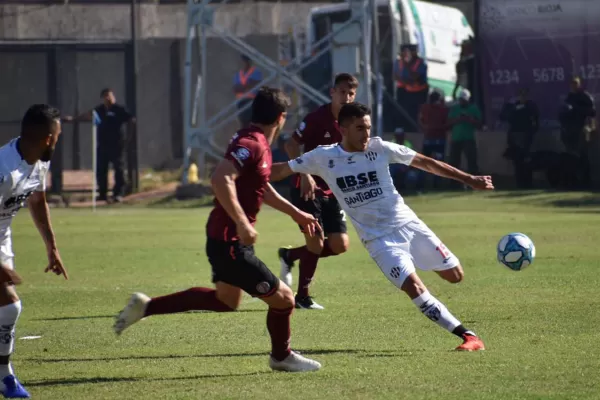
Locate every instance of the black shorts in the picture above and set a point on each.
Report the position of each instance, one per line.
(237, 265)
(326, 209)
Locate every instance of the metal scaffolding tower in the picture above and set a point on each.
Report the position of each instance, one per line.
(200, 129)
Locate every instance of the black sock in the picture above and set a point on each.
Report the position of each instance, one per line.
(460, 331)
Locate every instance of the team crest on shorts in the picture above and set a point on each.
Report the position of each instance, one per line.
(331, 164)
(263, 287)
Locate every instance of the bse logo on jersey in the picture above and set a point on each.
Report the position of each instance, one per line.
(364, 188)
(364, 180)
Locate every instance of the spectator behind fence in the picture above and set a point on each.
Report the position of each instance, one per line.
(577, 120)
(523, 120)
(111, 142)
(247, 78)
(410, 73)
(433, 122)
(465, 119)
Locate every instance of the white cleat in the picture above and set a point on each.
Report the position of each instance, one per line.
(294, 363)
(307, 303)
(133, 312)
(285, 274)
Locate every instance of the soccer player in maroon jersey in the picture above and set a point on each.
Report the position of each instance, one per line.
(241, 183)
(311, 193)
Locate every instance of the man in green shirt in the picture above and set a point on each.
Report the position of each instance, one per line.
(464, 119)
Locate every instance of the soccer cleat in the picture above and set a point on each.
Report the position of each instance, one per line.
(294, 363)
(307, 303)
(13, 388)
(285, 273)
(471, 343)
(133, 312)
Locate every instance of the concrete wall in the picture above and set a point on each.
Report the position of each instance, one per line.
(101, 22)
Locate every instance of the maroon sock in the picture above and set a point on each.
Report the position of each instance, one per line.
(307, 268)
(197, 298)
(294, 254)
(278, 324)
(326, 252)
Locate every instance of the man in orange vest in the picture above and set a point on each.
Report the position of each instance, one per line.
(411, 83)
(246, 79)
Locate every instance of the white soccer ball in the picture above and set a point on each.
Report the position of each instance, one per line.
(516, 251)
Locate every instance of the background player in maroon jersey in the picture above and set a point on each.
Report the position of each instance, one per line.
(241, 183)
(311, 193)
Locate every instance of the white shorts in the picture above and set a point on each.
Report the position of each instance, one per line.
(6, 255)
(414, 244)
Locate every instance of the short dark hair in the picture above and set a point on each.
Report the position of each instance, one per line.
(105, 91)
(352, 110)
(434, 97)
(268, 105)
(345, 77)
(37, 121)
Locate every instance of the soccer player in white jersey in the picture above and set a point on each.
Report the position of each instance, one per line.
(24, 162)
(357, 172)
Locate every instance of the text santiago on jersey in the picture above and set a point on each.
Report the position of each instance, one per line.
(358, 183)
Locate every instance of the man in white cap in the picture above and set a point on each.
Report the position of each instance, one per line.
(464, 118)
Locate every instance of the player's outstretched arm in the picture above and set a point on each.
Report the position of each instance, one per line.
(280, 171)
(40, 213)
(442, 169)
(223, 185)
(275, 200)
(308, 163)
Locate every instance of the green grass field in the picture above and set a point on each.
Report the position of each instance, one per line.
(541, 325)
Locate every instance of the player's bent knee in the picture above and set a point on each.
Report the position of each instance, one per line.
(315, 244)
(282, 299)
(339, 243)
(453, 275)
(287, 296)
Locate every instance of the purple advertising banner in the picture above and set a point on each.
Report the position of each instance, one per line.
(538, 45)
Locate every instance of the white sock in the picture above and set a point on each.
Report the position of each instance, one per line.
(9, 315)
(6, 370)
(436, 311)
